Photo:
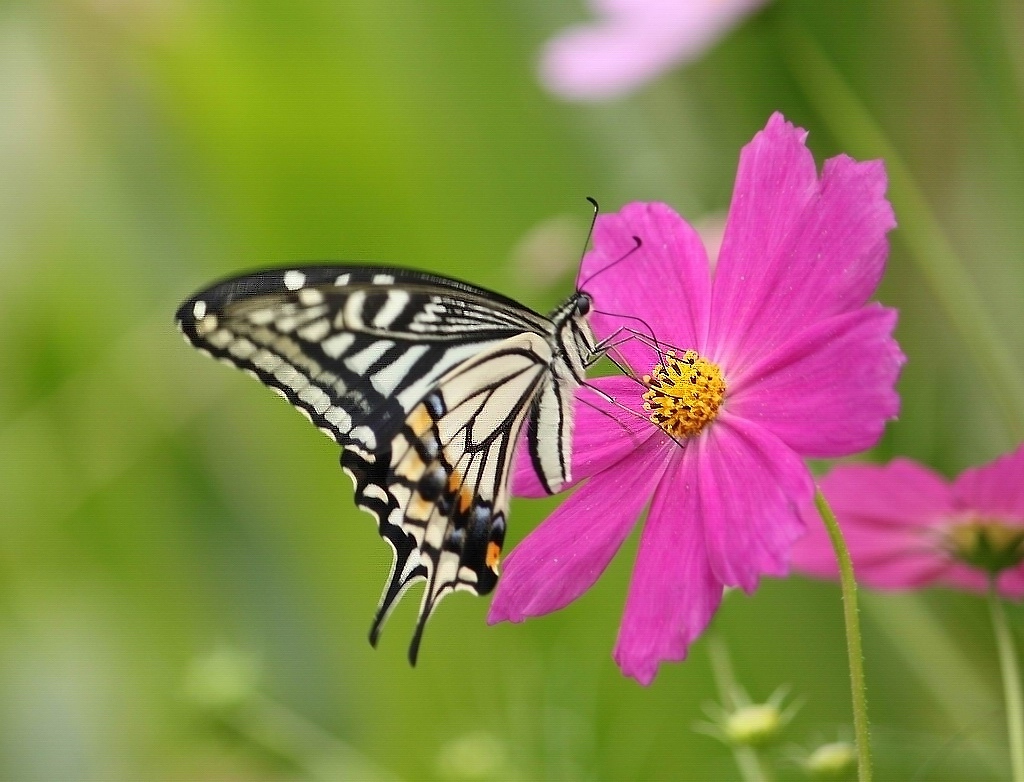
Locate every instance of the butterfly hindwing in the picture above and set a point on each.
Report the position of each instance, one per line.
(442, 498)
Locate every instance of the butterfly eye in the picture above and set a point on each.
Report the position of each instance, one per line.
(583, 305)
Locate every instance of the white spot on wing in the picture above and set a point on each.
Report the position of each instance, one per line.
(267, 361)
(452, 357)
(366, 436)
(199, 310)
(242, 349)
(261, 317)
(364, 455)
(341, 420)
(289, 376)
(364, 359)
(387, 380)
(351, 315)
(375, 491)
(343, 279)
(310, 297)
(220, 339)
(383, 279)
(394, 304)
(338, 344)
(294, 279)
(315, 398)
(435, 535)
(316, 330)
(206, 325)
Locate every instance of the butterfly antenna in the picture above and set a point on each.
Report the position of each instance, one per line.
(590, 233)
(637, 244)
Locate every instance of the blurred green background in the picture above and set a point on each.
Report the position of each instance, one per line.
(185, 584)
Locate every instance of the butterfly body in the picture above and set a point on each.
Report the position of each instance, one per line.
(426, 382)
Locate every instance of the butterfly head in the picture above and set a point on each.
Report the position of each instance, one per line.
(574, 337)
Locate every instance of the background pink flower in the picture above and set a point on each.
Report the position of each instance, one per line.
(633, 41)
(908, 527)
(808, 368)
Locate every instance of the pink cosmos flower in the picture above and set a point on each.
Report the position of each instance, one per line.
(777, 356)
(634, 41)
(907, 527)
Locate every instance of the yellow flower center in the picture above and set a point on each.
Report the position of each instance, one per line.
(987, 544)
(683, 394)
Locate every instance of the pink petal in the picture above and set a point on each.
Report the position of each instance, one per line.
(829, 390)
(971, 579)
(1011, 583)
(673, 593)
(565, 555)
(886, 515)
(634, 43)
(996, 488)
(884, 557)
(901, 493)
(750, 489)
(664, 285)
(795, 250)
(604, 60)
(603, 434)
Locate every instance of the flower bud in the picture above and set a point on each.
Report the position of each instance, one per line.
(986, 544)
(834, 761)
(753, 725)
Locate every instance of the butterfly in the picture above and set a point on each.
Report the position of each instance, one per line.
(427, 384)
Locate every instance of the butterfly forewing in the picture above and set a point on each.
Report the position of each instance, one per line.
(353, 348)
(426, 382)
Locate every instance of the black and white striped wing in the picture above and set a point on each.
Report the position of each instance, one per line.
(425, 381)
(354, 348)
(440, 491)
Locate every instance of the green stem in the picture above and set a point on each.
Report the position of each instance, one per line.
(747, 759)
(750, 765)
(1011, 684)
(852, 124)
(855, 653)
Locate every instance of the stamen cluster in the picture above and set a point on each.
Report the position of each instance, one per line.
(684, 393)
(986, 544)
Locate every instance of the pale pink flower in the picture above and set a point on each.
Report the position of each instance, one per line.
(794, 363)
(634, 41)
(908, 527)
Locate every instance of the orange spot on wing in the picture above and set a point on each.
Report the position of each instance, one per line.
(493, 556)
(463, 493)
(419, 420)
(454, 481)
(411, 467)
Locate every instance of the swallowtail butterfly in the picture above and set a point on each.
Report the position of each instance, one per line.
(426, 383)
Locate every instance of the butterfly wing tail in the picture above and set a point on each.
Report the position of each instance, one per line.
(368, 472)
